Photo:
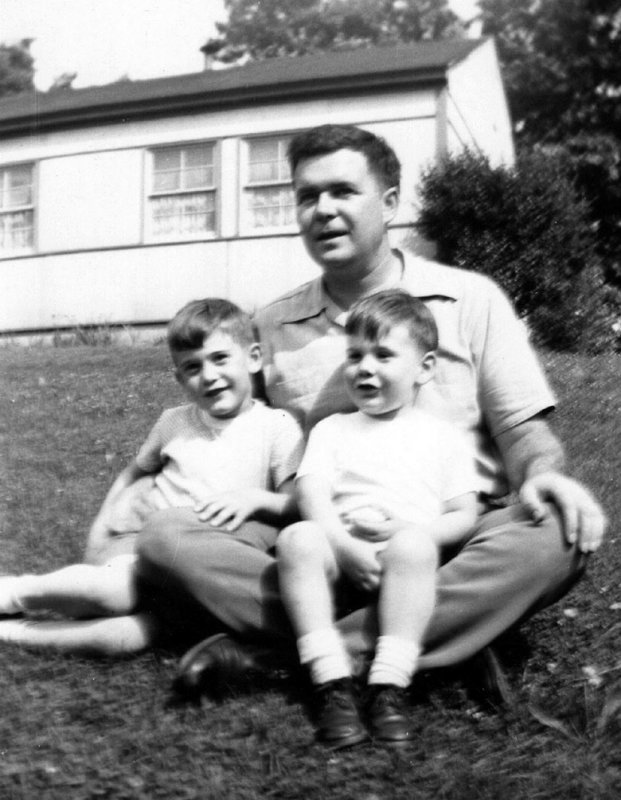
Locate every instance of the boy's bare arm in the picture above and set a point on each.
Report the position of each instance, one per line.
(230, 509)
(101, 530)
(354, 558)
(458, 519)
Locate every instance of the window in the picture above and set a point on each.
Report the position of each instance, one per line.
(183, 197)
(269, 196)
(16, 208)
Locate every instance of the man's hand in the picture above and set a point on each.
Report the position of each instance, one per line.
(361, 565)
(229, 509)
(584, 522)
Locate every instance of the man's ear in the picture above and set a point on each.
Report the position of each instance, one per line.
(255, 358)
(427, 368)
(390, 201)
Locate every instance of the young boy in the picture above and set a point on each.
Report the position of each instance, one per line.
(382, 490)
(228, 457)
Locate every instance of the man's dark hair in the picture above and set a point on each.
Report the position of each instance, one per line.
(197, 320)
(374, 316)
(326, 139)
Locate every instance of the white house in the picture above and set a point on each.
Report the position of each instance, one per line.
(119, 203)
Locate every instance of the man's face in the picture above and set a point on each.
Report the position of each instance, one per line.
(217, 376)
(342, 210)
(383, 375)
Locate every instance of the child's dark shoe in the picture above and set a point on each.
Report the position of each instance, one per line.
(336, 714)
(387, 714)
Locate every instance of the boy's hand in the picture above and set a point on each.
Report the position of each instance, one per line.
(360, 564)
(229, 509)
(372, 524)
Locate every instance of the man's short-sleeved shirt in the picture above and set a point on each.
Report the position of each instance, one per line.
(487, 380)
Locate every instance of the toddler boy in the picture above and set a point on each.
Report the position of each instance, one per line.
(226, 457)
(381, 491)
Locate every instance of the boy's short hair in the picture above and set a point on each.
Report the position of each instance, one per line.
(326, 139)
(198, 319)
(374, 316)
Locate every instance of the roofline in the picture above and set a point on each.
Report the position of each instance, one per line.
(29, 122)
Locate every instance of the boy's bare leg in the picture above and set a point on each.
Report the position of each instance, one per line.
(108, 636)
(307, 571)
(79, 590)
(406, 603)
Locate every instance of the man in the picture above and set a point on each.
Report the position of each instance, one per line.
(520, 557)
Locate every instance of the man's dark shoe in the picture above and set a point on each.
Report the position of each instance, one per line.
(336, 715)
(488, 680)
(216, 665)
(387, 714)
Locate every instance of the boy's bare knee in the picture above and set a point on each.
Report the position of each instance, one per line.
(408, 549)
(300, 541)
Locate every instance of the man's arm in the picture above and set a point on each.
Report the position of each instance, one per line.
(534, 461)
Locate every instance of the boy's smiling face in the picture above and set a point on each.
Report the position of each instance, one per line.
(383, 375)
(218, 376)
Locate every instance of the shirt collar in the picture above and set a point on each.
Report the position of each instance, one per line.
(421, 278)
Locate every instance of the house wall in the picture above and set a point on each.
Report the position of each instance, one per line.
(476, 107)
(94, 263)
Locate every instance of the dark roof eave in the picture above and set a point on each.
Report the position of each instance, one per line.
(200, 101)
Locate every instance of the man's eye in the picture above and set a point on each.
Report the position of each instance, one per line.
(305, 199)
(353, 357)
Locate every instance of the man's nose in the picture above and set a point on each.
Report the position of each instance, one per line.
(325, 205)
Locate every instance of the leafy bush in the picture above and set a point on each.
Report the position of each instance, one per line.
(528, 229)
(594, 161)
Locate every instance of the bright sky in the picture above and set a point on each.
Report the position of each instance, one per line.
(103, 40)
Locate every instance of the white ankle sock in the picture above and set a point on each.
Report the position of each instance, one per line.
(395, 661)
(9, 594)
(325, 654)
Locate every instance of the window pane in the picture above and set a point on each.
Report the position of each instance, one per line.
(267, 160)
(17, 230)
(184, 214)
(196, 177)
(165, 160)
(199, 155)
(183, 168)
(16, 186)
(271, 207)
(166, 181)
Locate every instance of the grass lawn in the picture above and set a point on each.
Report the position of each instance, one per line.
(77, 728)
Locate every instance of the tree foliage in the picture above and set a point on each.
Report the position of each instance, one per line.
(259, 29)
(16, 68)
(528, 229)
(561, 63)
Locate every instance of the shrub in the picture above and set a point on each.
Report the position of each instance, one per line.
(594, 162)
(528, 229)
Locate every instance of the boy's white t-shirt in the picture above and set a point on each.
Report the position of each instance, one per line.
(195, 455)
(408, 466)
